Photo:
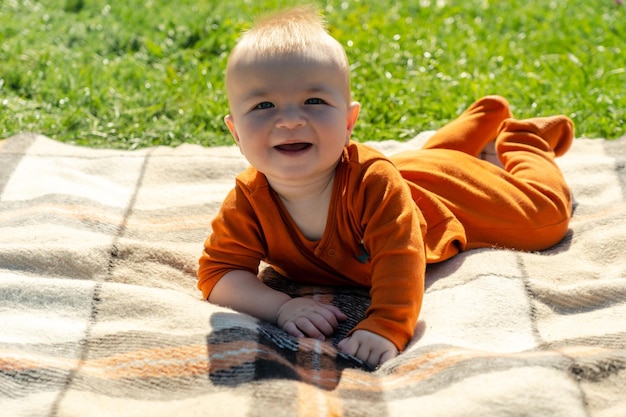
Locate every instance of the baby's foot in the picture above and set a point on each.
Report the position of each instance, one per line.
(556, 131)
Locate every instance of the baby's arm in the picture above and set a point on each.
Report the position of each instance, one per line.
(244, 292)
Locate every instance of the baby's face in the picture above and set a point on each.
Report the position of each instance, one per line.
(290, 117)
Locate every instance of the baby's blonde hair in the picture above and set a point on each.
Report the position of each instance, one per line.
(289, 31)
(299, 31)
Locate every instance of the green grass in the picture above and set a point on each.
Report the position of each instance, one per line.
(130, 74)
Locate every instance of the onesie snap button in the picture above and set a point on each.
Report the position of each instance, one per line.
(331, 252)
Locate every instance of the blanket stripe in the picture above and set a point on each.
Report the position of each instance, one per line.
(100, 316)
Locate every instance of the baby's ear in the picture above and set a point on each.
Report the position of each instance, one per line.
(230, 123)
(353, 115)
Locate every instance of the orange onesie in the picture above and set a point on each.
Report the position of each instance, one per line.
(389, 217)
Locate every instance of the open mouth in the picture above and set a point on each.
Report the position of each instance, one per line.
(293, 147)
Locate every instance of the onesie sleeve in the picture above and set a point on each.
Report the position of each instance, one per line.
(235, 243)
(393, 237)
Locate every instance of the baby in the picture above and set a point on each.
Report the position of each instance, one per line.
(325, 210)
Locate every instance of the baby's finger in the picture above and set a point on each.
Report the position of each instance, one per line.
(333, 315)
(309, 329)
(348, 345)
(373, 359)
(291, 328)
(339, 315)
(324, 322)
(367, 355)
(387, 355)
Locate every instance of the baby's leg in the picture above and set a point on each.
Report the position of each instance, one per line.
(474, 128)
(527, 149)
(525, 206)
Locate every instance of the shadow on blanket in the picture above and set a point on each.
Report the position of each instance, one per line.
(238, 355)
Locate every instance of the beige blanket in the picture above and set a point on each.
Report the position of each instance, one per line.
(99, 314)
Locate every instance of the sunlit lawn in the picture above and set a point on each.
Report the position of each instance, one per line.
(130, 74)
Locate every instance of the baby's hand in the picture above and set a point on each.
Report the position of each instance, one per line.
(369, 347)
(306, 317)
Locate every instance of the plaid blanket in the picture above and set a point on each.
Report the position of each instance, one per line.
(100, 316)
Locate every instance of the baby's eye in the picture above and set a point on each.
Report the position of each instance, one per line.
(264, 105)
(314, 100)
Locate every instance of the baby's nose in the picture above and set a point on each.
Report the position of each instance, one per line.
(291, 118)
